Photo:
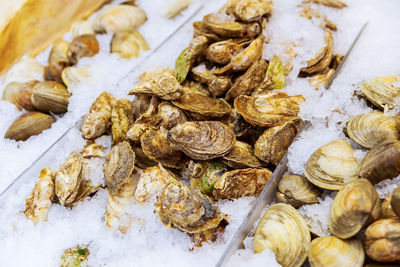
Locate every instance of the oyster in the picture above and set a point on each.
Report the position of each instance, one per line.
(140, 104)
(381, 162)
(74, 75)
(246, 58)
(20, 94)
(332, 165)
(222, 52)
(85, 45)
(217, 85)
(369, 129)
(275, 77)
(50, 96)
(136, 131)
(285, 233)
(202, 140)
(169, 115)
(27, 125)
(382, 240)
(382, 92)
(178, 206)
(297, 191)
(242, 182)
(92, 149)
(332, 251)
(356, 205)
(128, 43)
(188, 57)
(161, 83)
(176, 8)
(241, 156)
(272, 145)
(58, 61)
(205, 174)
(118, 18)
(141, 159)
(98, 120)
(81, 27)
(74, 257)
(269, 110)
(197, 87)
(37, 205)
(250, 80)
(202, 107)
(122, 120)
(395, 201)
(119, 165)
(331, 3)
(252, 10)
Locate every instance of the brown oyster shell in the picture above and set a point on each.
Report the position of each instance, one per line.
(241, 156)
(217, 85)
(223, 51)
(122, 120)
(58, 61)
(252, 10)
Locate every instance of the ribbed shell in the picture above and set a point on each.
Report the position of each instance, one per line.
(241, 156)
(381, 92)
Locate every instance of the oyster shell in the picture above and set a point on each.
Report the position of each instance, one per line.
(50, 96)
(176, 8)
(204, 175)
(169, 115)
(122, 120)
(356, 205)
(98, 120)
(331, 3)
(332, 165)
(141, 159)
(202, 140)
(58, 61)
(37, 205)
(332, 251)
(74, 257)
(20, 94)
(242, 182)
(275, 77)
(252, 10)
(272, 145)
(250, 80)
(217, 85)
(188, 57)
(285, 233)
(241, 156)
(382, 240)
(395, 201)
(74, 75)
(85, 45)
(128, 43)
(381, 92)
(92, 149)
(222, 52)
(297, 191)
(381, 162)
(197, 87)
(27, 125)
(140, 104)
(119, 165)
(269, 110)
(118, 18)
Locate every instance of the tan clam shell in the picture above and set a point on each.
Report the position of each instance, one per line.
(202, 140)
(269, 110)
(297, 191)
(75, 75)
(28, 124)
(331, 3)
(332, 165)
(50, 96)
(58, 61)
(128, 43)
(20, 94)
(387, 211)
(122, 120)
(81, 27)
(285, 233)
(381, 162)
(85, 45)
(356, 205)
(241, 156)
(381, 92)
(335, 252)
(395, 201)
(252, 10)
(369, 129)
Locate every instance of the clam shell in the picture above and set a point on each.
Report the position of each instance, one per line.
(20, 94)
(395, 201)
(75, 75)
(334, 252)
(128, 43)
(74, 256)
(356, 205)
(203, 140)
(241, 156)
(252, 10)
(381, 92)
(50, 96)
(176, 8)
(331, 3)
(285, 233)
(81, 27)
(387, 212)
(332, 165)
(369, 129)
(58, 61)
(85, 45)
(28, 124)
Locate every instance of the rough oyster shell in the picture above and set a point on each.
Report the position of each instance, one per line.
(204, 175)
(85, 45)
(241, 156)
(395, 201)
(128, 43)
(81, 27)
(50, 96)
(20, 94)
(222, 52)
(331, 3)
(122, 120)
(252, 10)
(169, 115)
(275, 76)
(381, 92)
(217, 85)
(75, 257)
(332, 165)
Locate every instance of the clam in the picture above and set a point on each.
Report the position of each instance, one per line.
(128, 43)
(176, 8)
(285, 233)
(119, 165)
(269, 110)
(98, 120)
(37, 205)
(243, 60)
(331, 3)
(58, 61)
(387, 211)
(169, 115)
(85, 45)
(81, 27)
(202, 140)
(217, 85)
(20, 94)
(222, 52)
(272, 145)
(161, 83)
(75, 75)
(241, 182)
(395, 201)
(382, 240)
(180, 207)
(202, 107)
(117, 18)
(381, 162)
(50, 96)
(333, 251)
(252, 10)
(238, 125)
(122, 120)
(356, 205)
(75, 256)
(332, 165)
(28, 124)
(194, 169)
(241, 156)
(204, 175)
(250, 80)
(297, 191)
(188, 57)
(382, 92)
(369, 129)
(275, 77)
